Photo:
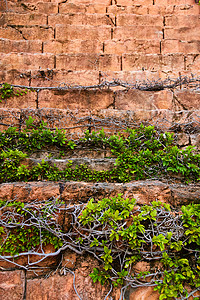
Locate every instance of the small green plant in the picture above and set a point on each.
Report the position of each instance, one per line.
(27, 227)
(7, 91)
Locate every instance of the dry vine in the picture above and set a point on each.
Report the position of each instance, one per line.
(45, 218)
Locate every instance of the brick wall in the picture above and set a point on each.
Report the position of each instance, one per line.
(138, 39)
(84, 42)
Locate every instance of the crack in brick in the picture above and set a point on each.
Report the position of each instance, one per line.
(111, 20)
(18, 30)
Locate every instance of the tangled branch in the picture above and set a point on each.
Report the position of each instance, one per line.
(117, 232)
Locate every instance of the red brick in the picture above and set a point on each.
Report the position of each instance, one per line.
(88, 62)
(176, 46)
(132, 46)
(22, 61)
(16, 77)
(7, 46)
(23, 19)
(77, 2)
(188, 100)
(183, 21)
(183, 9)
(72, 32)
(184, 34)
(134, 2)
(22, 101)
(138, 32)
(141, 100)
(56, 78)
(42, 190)
(34, 6)
(47, 8)
(71, 8)
(12, 285)
(10, 33)
(144, 20)
(135, 9)
(80, 19)
(42, 33)
(75, 99)
(166, 63)
(192, 62)
(95, 8)
(66, 8)
(73, 46)
(143, 293)
(173, 2)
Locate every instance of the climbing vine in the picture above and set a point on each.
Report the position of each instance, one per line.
(119, 232)
(139, 153)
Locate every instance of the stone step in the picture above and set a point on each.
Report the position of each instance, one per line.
(98, 164)
(111, 46)
(77, 192)
(184, 123)
(135, 100)
(141, 8)
(162, 10)
(167, 63)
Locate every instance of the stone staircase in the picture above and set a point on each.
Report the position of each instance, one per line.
(59, 45)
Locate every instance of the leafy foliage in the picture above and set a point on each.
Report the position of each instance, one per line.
(7, 91)
(22, 230)
(122, 234)
(140, 153)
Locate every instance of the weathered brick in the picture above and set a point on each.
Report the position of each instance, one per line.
(138, 32)
(135, 9)
(131, 46)
(22, 61)
(77, 2)
(23, 19)
(73, 46)
(187, 99)
(77, 62)
(95, 8)
(12, 285)
(47, 7)
(141, 100)
(7, 46)
(141, 20)
(22, 101)
(55, 77)
(71, 8)
(192, 62)
(10, 33)
(72, 32)
(16, 77)
(76, 99)
(183, 21)
(42, 33)
(66, 8)
(184, 33)
(80, 19)
(143, 293)
(152, 62)
(173, 2)
(176, 46)
(134, 2)
(88, 62)
(183, 9)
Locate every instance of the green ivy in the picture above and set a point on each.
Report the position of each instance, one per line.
(140, 153)
(179, 261)
(7, 91)
(15, 239)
